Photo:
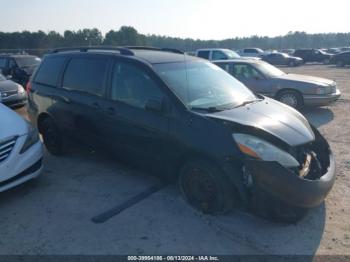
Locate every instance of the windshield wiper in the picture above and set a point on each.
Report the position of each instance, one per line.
(248, 102)
(209, 109)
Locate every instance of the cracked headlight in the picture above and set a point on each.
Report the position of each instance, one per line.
(261, 149)
(31, 139)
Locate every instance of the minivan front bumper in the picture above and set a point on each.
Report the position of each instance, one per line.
(285, 185)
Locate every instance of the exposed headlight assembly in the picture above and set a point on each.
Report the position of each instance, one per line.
(261, 149)
(31, 139)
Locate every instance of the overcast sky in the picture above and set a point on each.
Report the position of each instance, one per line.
(204, 19)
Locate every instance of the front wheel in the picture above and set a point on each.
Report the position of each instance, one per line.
(206, 188)
(290, 98)
(292, 64)
(326, 61)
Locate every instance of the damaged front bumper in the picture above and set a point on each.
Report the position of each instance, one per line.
(284, 184)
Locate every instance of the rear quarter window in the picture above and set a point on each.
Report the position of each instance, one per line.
(49, 71)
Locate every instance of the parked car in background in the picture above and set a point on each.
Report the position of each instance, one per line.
(20, 67)
(21, 151)
(333, 51)
(288, 51)
(313, 55)
(291, 89)
(341, 59)
(277, 58)
(190, 121)
(11, 93)
(217, 54)
(251, 52)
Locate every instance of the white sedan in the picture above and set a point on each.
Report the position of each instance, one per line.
(21, 150)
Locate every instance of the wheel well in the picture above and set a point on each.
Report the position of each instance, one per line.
(291, 90)
(41, 118)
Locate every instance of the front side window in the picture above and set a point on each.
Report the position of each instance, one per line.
(132, 85)
(204, 54)
(49, 71)
(203, 85)
(86, 75)
(218, 55)
(245, 71)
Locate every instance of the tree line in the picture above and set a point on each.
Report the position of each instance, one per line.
(40, 42)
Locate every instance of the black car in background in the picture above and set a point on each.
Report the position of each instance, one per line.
(313, 55)
(188, 120)
(18, 66)
(341, 59)
(277, 58)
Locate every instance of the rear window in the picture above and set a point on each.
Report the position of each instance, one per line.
(26, 61)
(49, 71)
(253, 51)
(204, 54)
(86, 74)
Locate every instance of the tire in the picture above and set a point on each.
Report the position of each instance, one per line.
(206, 188)
(326, 61)
(270, 208)
(340, 64)
(52, 136)
(292, 64)
(291, 98)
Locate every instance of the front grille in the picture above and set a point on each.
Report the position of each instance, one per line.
(6, 148)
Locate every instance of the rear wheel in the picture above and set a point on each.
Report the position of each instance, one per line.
(291, 98)
(326, 61)
(52, 136)
(292, 64)
(206, 188)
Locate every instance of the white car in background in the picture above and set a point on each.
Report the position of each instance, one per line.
(215, 54)
(251, 52)
(21, 150)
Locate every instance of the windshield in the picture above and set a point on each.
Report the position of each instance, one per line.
(231, 54)
(203, 85)
(268, 70)
(28, 61)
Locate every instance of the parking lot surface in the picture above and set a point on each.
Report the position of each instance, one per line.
(54, 214)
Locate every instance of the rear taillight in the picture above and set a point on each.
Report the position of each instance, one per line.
(28, 87)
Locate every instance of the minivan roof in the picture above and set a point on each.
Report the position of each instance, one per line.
(150, 55)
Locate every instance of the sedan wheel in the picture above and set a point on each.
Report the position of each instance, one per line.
(291, 98)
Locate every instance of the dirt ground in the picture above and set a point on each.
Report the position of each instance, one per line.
(52, 215)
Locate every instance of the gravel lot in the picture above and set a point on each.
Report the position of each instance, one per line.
(53, 214)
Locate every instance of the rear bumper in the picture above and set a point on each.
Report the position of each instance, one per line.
(290, 188)
(321, 100)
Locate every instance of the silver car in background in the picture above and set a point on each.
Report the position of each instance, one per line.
(11, 93)
(292, 89)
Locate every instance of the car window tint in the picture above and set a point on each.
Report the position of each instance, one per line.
(204, 54)
(12, 64)
(49, 71)
(244, 71)
(253, 51)
(86, 75)
(218, 55)
(2, 62)
(132, 85)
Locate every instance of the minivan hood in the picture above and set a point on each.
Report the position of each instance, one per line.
(308, 79)
(11, 123)
(273, 117)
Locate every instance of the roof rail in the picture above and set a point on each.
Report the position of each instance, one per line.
(172, 50)
(122, 50)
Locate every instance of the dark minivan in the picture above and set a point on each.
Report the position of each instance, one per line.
(313, 55)
(189, 120)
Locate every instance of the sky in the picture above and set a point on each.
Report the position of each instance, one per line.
(198, 19)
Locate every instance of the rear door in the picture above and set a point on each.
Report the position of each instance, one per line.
(132, 128)
(79, 100)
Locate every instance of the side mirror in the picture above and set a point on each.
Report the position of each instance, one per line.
(154, 104)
